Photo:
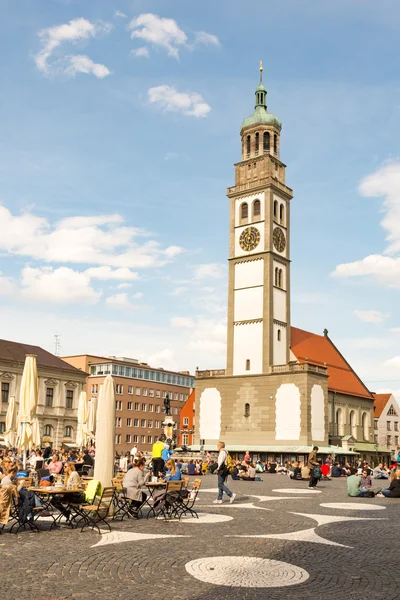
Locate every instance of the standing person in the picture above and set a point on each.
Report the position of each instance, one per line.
(247, 458)
(222, 475)
(312, 463)
(133, 452)
(158, 462)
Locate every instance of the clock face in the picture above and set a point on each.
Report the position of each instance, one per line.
(249, 239)
(278, 237)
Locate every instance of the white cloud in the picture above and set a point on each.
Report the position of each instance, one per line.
(173, 251)
(205, 335)
(61, 286)
(119, 301)
(164, 358)
(158, 31)
(385, 182)
(83, 64)
(137, 295)
(187, 103)
(7, 286)
(109, 273)
(393, 364)
(75, 31)
(142, 51)
(210, 271)
(384, 269)
(97, 240)
(208, 39)
(370, 316)
(123, 286)
(119, 13)
(183, 322)
(178, 291)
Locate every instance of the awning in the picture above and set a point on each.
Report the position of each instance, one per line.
(278, 449)
(372, 448)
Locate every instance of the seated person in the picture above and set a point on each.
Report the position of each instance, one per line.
(325, 469)
(173, 473)
(281, 470)
(11, 476)
(336, 470)
(296, 474)
(55, 465)
(393, 491)
(354, 485)
(380, 472)
(236, 471)
(272, 467)
(305, 471)
(133, 482)
(191, 470)
(213, 467)
(259, 467)
(22, 473)
(72, 482)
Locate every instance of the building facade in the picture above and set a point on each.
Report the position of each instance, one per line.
(272, 398)
(60, 385)
(387, 422)
(140, 392)
(187, 421)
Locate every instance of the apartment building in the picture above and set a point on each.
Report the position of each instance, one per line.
(140, 392)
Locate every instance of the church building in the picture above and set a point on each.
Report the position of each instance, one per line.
(283, 389)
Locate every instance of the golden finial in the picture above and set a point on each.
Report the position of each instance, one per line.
(261, 71)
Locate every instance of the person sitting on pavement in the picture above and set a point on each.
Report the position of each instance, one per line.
(337, 470)
(236, 471)
(354, 486)
(393, 491)
(380, 472)
(259, 467)
(296, 474)
(325, 470)
(191, 470)
(272, 467)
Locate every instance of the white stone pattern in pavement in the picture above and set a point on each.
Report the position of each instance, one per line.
(246, 572)
(237, 505)
(351, 506)
(298, 491)
(306, 535)
(203, 518)
(117, 537)
(326, 519)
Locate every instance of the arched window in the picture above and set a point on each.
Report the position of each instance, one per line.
(275, 144)
(68, 431)
(244, 211)
(276, 276)
(247, 409)
(257, 142)
(282, 213)
(339, 421)
(248, 364)
(256, 208)
(248, 144)
(48, 430)
(279, 335)
(275, 209)
(266, 141)
(365, 426)
(280, 277)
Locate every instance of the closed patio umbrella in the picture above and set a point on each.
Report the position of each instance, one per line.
(10, 435)
(92, 416)
(105, 434)
(28, 400)
(35, 433)
(82, 433)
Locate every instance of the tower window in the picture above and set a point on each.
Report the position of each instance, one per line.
(248, 144)
(279, 335)
(275, 209)
(248, 364)
(257, 142)
(247, 409)
(266, 141)
(244, 211)
(280, 277)
(276, 276)
(282, 213)
(256, 208)
(275, 144)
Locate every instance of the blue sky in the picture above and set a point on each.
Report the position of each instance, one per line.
(119, 127)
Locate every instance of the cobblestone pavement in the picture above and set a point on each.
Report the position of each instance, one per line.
(149, 559)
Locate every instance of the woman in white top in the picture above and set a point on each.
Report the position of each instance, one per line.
(72, 479)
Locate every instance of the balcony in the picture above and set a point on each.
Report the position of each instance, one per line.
(299, 368)
(210, 373)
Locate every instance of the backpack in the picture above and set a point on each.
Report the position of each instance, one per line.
(229, 463)
(317, 472)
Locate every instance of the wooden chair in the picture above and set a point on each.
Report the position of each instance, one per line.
(24, 482)
(98, 513)
(171, 498)
(186, 481)
(186, 505)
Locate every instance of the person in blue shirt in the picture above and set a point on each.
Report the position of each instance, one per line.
(166, 453)
(173, 473)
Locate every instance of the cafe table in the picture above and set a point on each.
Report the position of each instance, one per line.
(152, 487)
(47, 495)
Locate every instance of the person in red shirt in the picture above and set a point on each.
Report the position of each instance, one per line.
(325, 469)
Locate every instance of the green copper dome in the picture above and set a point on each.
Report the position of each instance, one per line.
(261, 115)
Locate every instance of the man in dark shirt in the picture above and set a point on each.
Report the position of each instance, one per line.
(87, 459)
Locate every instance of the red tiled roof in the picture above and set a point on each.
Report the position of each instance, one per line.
(380, 401)
(318, 349)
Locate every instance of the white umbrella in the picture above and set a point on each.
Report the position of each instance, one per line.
(105, 434)
(92, 415)
(82, 433)
(28, 400)
(35, 433)
(10, 433)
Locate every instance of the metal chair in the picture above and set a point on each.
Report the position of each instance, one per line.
(186, 505)
(94, 514)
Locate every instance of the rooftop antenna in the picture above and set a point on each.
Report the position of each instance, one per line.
(57, 344)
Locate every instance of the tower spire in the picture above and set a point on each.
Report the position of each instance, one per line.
(261, 71)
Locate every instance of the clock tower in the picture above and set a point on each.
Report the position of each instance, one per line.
(259, 249)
